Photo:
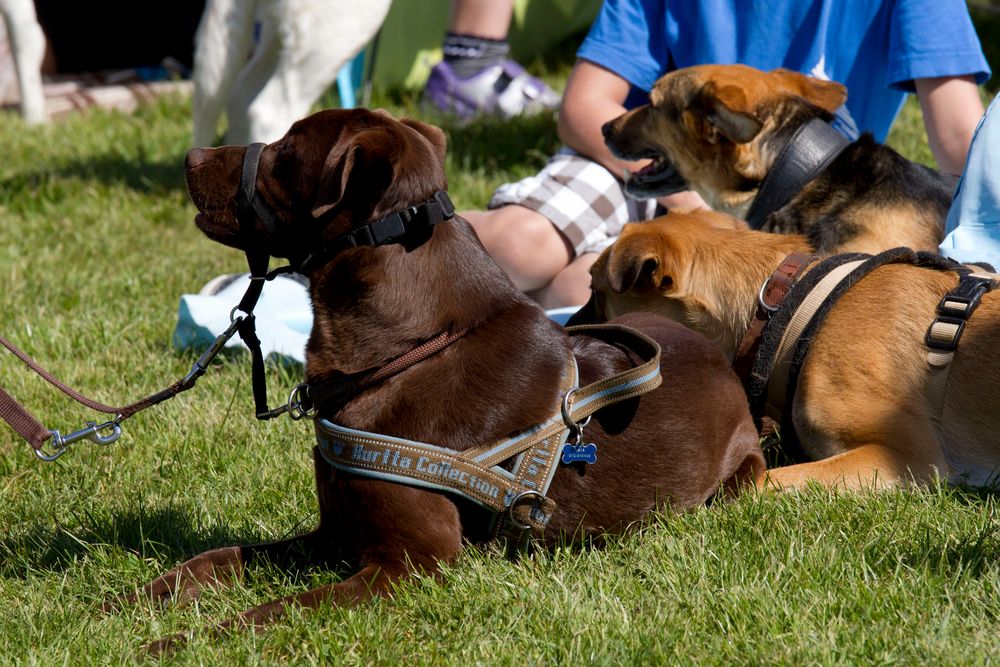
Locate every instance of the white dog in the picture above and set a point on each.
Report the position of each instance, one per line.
(266, 82)
(27, 45)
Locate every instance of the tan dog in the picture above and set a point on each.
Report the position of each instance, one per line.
(757, 145)
(860, 410)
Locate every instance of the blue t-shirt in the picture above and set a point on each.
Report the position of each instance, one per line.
(874, 48)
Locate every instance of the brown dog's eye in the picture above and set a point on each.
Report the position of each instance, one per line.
(666, 282)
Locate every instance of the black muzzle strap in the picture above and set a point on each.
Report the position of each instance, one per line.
(249, 209)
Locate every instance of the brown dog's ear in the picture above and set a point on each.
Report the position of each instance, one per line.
(827, 95)
(731, 114)
(432, 133)
(360, 169)
(638, 262)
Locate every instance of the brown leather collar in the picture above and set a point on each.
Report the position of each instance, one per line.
(336, 390)
(772, 292)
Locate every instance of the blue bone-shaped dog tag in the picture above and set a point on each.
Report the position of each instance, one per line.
(576, 453)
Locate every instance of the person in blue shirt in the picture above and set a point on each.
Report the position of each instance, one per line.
(972, 229)
(546, 230)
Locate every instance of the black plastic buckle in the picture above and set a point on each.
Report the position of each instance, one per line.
(950, 346)
(388, 228)
(969, 291)
(447, 207)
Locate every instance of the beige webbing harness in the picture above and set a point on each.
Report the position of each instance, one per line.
(772, 384)
(954, 310)
(517, 497)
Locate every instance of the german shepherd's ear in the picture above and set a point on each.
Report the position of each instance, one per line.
(357, 172)
(639, 261)
(731, 113)
(827, 95)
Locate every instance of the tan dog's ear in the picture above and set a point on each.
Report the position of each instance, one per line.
(360, 169)
(638, 261)
(827, 95)
(731, 114)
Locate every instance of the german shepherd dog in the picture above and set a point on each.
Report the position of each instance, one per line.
(757, 145)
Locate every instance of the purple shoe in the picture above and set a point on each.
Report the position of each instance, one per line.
(504, 90)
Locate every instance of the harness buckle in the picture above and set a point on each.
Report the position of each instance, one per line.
(964, 298)
(515, 501)
(951, 343)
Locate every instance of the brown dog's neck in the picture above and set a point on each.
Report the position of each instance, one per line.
(372, 305)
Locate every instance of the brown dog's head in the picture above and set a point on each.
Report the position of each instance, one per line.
(333, 171)
(717, 129)
(699, 268)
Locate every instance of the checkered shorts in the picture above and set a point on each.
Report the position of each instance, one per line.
(580, 197)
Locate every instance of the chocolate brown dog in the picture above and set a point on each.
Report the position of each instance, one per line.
(757, 145)
(861, 409)
(332, 175)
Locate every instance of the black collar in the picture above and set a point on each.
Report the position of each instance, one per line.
(810, 150)
(396, 227)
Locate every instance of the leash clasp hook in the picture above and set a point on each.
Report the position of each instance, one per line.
(575, 427)
(298, 400)
(92, 432)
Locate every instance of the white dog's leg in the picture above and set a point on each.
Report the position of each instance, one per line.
(27, 43)
(223, 44)
(315, 39)
(249, 85)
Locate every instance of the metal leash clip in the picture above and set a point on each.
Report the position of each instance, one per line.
(575, 450)
(299, 404)
(92, 432)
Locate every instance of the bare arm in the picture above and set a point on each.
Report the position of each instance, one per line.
(593, 96)
(952, 108)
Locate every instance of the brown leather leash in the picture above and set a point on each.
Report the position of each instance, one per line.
(413, 222)
(37, 435)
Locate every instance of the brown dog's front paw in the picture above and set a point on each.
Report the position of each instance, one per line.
(166, 645)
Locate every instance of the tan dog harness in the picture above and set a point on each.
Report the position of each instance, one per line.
(798, 314)
(516, 496)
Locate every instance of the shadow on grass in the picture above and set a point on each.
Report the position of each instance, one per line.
(168, 534)
(500, 144)
(138, 174)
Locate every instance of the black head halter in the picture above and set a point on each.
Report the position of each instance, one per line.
(397, 227)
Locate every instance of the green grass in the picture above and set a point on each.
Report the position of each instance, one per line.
(96, 246)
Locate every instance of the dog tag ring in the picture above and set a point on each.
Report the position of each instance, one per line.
(575, 450)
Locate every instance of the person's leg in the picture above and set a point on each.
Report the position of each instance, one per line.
(570, 287)
(476, 75)
(546, 230)
(523, 242)
(482, 18)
